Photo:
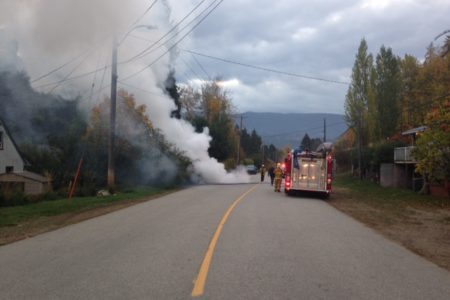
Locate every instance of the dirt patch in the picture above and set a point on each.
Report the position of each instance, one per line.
(423, 229)
(44, 224)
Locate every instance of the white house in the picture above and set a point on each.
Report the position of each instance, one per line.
(10, 158)
(12, 173)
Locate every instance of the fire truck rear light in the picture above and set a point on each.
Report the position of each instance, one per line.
(329, 180)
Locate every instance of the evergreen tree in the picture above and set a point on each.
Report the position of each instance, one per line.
(388, 87)
(305, 144)
(409, 68)
(356, 102)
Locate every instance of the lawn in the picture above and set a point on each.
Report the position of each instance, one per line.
(18, 222)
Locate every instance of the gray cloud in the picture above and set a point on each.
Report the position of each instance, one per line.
(317, 38)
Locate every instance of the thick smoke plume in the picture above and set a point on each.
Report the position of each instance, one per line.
(49, 33)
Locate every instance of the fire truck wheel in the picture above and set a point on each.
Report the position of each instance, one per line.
(325, 196)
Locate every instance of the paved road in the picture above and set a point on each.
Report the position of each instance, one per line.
(271, 247)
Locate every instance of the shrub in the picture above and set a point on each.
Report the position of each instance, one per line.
(13, 198)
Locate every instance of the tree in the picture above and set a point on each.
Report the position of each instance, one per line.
(409, 68)
(142, 155)
(216, 109)
(306, 142)
(189, 102)
(433, 146)
(356, 102)
(387, 87)
(172, 90)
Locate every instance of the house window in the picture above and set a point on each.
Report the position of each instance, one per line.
(1, 140)
(9, 169)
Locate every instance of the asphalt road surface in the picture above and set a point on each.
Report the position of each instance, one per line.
(266, 246)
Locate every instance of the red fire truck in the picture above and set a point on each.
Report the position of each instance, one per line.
(309, 171)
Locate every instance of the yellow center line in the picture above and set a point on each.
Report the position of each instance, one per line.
(199, 286)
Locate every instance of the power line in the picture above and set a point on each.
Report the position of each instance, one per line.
(149, 49)
(141, 89)
(60, 67)
(201, 67)
(175, 44)
(190, 68)
(73, 78)
(109, 65)
(303, 130)
(143, 15)
(143, 52)
(266, 69)
(70, 73)
(81, 55)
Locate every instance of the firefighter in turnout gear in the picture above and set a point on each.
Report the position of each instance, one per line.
(278, 177)
(263, 172)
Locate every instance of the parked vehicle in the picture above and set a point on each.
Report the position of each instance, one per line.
(252, 169)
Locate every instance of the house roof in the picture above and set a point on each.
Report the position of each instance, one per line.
(28, 175)
(12, 140)
(414, 130)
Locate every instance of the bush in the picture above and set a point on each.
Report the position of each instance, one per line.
(230, 164)
(13, 198)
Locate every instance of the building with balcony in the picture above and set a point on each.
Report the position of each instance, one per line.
(402, 172)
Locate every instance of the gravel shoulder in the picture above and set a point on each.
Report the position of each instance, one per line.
(420, 226)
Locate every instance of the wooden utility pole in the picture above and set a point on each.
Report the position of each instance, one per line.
(239, 143)
(112, 120)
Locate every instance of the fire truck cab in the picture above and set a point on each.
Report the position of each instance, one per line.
(310, 171)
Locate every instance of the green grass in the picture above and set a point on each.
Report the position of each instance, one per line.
(373, 194)
(11, 216)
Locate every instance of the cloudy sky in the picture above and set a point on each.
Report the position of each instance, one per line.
(317, 39)
(313, 38)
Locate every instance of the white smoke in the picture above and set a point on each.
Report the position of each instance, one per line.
(50, 32)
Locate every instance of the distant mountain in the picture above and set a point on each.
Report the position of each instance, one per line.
(288, 129)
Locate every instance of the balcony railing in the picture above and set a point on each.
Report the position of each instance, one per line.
(403, 155)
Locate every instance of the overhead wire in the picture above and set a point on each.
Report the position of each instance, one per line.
(81, 55)
(60, 67)
(201, 67)
(146, 50)
(190, 68)
(140, 89)
(94, 79)
(266, 69)
(143, 15)
(175, 44)
(70, 73)
(303, 130)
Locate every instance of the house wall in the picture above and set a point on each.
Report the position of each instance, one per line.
(34, 188)
(8, 153)
(387, 175)
(31, 187)
(400, 175)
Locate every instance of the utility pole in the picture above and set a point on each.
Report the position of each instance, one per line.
(360, 146)
(263, 154)
(112, 119)
(239, 143)
(324, 130)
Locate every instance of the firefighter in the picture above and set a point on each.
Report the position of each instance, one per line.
(263, 172)
(278, 177)
(271, 173)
